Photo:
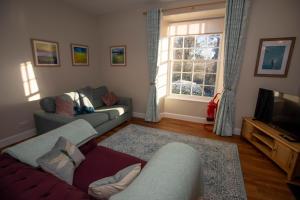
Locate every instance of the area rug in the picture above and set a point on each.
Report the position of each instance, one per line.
(222, 175)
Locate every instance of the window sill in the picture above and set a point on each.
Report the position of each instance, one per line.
(187, 98)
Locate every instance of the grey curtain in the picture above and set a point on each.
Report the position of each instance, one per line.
(235, 28)
(153, 28)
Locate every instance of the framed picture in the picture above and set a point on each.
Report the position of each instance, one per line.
(80, 55)
(118, 55)
(45, 53)
(274, 55)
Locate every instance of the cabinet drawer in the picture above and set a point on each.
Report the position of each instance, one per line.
(282, 155)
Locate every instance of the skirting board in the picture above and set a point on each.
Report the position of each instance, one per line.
(202, 120)
(17, 138)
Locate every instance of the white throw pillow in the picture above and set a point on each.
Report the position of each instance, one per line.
(106, 187)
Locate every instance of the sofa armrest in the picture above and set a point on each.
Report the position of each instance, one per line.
(45, 122)
(126, 101)
(173, 173)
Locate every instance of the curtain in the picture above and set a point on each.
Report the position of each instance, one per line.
(153, 31)
(235, 28)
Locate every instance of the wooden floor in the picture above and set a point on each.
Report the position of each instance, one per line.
(263, 179)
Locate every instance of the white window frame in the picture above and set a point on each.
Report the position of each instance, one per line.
(170, 95)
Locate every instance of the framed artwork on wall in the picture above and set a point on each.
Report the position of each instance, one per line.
(45, 53)
(274, 56)
(118, 55)
(80, 55)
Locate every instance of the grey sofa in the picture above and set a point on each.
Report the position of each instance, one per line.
(103, 119)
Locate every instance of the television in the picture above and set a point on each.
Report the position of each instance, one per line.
(281, 111)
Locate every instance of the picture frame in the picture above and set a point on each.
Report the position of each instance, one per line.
(80, 55)
(118, 55)
(45, 53)
(274, 56)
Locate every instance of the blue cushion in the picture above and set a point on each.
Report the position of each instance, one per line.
(48, 104)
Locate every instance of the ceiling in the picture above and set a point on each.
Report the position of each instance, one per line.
(99, 7)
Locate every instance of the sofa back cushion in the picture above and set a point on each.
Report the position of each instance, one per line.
(173, 173)
(97, 94)
(48, 104)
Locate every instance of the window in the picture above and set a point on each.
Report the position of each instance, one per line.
(194, 59)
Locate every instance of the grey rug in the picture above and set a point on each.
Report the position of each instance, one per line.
(223, 178)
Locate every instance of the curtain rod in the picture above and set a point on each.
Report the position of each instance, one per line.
(192, 7)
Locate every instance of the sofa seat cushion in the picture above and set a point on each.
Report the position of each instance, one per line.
(95, 119)
(21, 181)
(113, 111)
(101, 162)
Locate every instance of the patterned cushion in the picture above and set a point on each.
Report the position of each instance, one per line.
(110, 99)
(64, 106)
(106, 187)
(62, 160)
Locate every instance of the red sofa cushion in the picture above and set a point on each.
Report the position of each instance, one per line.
(99, 163)
(21, 181)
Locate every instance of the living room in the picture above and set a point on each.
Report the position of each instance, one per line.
(102, 27)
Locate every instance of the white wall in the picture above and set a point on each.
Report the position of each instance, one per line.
(268, 19)
(49, 20)
(125, 28)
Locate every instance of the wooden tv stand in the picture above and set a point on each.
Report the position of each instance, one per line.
(268, 140)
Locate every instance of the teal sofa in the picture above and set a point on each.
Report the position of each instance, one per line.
(103, 119)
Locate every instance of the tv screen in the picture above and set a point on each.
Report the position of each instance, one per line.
(280, 110)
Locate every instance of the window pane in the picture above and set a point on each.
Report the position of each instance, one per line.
(188, 54)
(210, 79)
(187, 76)
(189, 42)
(176, 77)
(211, 67)
(187, 66)
(186, 88)
(177, 66)
(177, 42)
(197, 90)
(178, 54)
(213, 41)
(206, 53)
(201, 41)
(199, 66)
(215, 53)
(209, 91)
(198, 78)
(199, 54)
(176, 88)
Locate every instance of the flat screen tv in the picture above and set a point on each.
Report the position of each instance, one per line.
(281, 111)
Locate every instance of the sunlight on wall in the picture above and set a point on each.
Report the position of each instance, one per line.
(162, 74)
(30, 85)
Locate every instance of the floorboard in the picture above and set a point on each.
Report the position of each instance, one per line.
(264, 180)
